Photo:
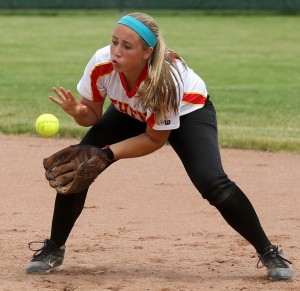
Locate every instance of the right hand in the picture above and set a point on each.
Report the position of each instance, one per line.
(67, 101)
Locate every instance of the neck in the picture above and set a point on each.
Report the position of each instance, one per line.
(133, 77)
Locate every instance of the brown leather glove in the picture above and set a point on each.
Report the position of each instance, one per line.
(76, 167)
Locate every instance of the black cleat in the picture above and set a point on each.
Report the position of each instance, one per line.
(46, 259)
(279, 268)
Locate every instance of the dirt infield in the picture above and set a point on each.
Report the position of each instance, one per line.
(148, 228)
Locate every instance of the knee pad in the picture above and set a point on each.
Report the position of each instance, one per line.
(217, 195)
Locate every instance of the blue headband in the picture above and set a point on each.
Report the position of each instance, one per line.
(140, 28)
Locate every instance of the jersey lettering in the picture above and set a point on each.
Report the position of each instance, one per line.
(126, 108)
(123, 107)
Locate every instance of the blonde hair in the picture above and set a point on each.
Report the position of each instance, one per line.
(158, 91)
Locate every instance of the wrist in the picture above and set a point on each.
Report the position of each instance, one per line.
(109, 153)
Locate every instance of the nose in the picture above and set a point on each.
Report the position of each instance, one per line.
(117, 50)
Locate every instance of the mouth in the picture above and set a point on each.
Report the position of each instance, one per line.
(116, 65)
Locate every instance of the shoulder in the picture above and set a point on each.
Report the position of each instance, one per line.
(102, 55)
(186, 72)
(100, 63)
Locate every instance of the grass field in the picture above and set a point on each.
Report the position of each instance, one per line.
(250, 64)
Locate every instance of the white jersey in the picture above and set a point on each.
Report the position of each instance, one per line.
(100, 80)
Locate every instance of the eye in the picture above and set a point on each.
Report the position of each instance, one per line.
(127, 47)
(114, 42)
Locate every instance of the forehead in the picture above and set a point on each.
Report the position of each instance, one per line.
(125, 33)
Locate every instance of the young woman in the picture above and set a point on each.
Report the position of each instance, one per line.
(155, 97)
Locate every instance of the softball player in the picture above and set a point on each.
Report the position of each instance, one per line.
(155, 97)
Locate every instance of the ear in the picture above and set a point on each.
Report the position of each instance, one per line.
(148, 53)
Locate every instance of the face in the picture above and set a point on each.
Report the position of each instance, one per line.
(127, 53)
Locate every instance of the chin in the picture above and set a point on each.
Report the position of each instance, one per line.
(117, 68)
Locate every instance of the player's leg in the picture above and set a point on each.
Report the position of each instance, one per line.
(113, 127)
(196, 143)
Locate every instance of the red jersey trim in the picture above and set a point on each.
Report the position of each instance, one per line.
(98, 72)
(132, 92)
(151, 120)
(194, 98)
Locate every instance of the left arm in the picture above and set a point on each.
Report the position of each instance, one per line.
(140, 145)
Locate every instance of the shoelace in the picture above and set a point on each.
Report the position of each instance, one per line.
(39, 252)
(277, 259)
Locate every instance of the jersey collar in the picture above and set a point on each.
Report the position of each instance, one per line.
(132, 92)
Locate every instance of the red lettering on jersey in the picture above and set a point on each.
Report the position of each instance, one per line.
(115, 102)
(126, 108)
(123, 107)
(98, 72)
(194, 98)
(132, 112)
(142, 116)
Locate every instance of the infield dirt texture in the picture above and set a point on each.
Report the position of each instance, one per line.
(144, 226)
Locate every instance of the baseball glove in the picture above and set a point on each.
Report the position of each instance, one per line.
(76, 167)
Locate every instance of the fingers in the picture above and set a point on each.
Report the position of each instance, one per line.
(59, 94)
(55, 100)
(62, 93)
(65, 96)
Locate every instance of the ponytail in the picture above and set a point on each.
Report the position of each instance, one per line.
(158, 91)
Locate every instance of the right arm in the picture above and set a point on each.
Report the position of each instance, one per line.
(85, 112)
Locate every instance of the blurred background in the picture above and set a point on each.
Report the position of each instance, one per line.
(274, 5)
(247, 52)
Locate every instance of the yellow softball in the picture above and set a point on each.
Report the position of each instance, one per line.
(47, 125)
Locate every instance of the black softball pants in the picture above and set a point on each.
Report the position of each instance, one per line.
(196, 144)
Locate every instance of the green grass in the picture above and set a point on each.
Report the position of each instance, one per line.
(250, 64)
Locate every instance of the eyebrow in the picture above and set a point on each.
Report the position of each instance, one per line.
(123, 40)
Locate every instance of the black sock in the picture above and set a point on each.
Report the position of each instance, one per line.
(241, 216)
(66, 210)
